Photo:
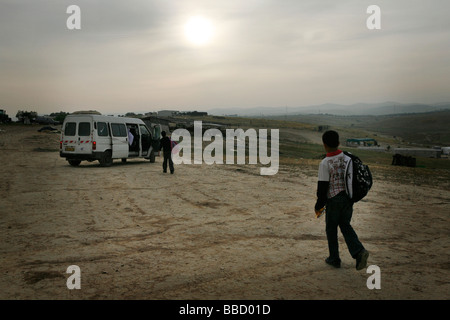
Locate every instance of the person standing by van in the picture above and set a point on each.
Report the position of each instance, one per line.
(166, 146)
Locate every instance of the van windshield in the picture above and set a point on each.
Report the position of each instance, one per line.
(70, 129)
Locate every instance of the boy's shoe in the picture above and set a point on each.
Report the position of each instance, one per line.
(334, 263)
(361, 259)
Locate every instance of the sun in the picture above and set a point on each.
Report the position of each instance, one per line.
(199, 30)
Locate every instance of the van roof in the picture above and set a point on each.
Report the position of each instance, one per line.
(96, 117)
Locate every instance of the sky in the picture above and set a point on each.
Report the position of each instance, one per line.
(136, 55)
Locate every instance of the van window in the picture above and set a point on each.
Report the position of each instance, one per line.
(157, 132)
(118, 130)
(70, 129)
(102, 129)
(84, 129)
(144, 130)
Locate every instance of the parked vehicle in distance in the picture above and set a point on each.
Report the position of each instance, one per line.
(4, 118)
(91, 137)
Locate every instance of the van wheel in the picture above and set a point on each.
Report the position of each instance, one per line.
(152, 156)
(74, 163)
(106, 159)
(124, 160)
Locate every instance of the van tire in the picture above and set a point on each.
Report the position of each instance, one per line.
(74, 163)
(106, 159)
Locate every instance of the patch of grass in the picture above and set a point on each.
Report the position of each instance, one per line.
(301, 150)
(244, 123)
(293, 148)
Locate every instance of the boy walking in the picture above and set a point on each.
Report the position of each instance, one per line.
(331, 193)
(166, 146)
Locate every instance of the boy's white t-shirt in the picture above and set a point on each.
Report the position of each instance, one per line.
(332, 169)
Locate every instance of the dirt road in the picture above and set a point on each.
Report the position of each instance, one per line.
(206, 232)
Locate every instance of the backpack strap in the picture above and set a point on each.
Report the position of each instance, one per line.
(348, 177)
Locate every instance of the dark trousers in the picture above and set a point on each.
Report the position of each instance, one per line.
(339, 214)
(168, 158)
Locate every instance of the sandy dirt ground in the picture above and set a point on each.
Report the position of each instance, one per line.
(206, 232)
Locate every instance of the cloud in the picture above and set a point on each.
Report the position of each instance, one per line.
(264, 52)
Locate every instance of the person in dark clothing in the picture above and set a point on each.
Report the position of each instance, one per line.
(331, 193)
(166, 146)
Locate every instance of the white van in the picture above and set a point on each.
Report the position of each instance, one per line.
(104, 138)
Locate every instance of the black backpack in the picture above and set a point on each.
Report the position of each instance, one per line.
(360, 178)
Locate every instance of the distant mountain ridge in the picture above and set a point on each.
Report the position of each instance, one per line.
(385, 108)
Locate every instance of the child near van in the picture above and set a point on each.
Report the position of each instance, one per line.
(331, 193)
(166, 146)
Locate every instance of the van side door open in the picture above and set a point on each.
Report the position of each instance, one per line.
(146, 139)
(119, 140)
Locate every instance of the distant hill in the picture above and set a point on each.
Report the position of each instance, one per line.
(431, 128)
(385, 108)
(422, 124)
(424, 128)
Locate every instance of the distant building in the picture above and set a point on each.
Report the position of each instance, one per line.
(4, 118)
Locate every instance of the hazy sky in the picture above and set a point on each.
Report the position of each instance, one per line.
(135, 56)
